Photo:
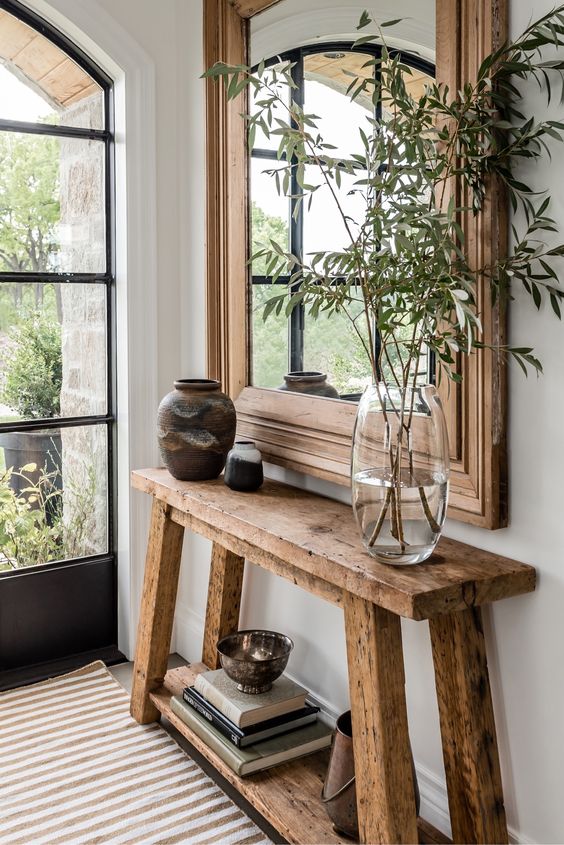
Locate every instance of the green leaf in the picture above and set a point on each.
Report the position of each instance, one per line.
(391, 23)
(365, 39)
(364, 20)
(271, 304)
(232, 86)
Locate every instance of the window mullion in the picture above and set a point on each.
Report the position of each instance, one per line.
(48, 278)
(25, 127)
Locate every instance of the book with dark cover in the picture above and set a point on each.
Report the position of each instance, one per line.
(243, 709)
(262, 755)
(242, 737)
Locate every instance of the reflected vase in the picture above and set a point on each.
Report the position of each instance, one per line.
(312, 382)
(400, 472)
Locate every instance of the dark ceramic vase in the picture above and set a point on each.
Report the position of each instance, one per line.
(196, 429)
(311, 382)
(243, 467)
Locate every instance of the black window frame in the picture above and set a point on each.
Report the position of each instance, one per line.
(297, 322)
(105, 279)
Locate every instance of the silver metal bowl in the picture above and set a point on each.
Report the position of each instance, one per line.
(254, 659)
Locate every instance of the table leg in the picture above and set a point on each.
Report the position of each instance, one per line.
(162, 567)
(224, 601)
(475, 792)
(384, 780)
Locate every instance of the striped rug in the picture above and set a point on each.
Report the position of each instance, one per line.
(76, 768)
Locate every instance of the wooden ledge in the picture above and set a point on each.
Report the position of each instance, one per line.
(314, 541)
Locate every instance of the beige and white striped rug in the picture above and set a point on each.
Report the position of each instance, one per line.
(76, 768)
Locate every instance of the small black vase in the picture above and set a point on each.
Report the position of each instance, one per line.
(243, 467)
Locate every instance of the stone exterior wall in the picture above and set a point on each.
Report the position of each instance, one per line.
(84, 391)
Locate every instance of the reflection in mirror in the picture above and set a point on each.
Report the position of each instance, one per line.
(299, 343)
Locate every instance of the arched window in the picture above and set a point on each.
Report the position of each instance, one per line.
(322, 74)
(57, 398)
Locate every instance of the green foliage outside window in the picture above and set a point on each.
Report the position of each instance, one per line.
(29, 205)
(42, 523)
(29, 215)
(33, 370)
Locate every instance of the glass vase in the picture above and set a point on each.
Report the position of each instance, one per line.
(400, 472)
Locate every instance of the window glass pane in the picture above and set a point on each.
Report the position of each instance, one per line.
(278, 111)
(324, 226)
(326, 82)
(269, 211)
(419, 369)
(52, 350)
(269, 340)
(54, 495)
(41, 84)
(332, 346)
(269, 220)
(52, 215)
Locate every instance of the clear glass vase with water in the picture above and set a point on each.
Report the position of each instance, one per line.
(400, 472)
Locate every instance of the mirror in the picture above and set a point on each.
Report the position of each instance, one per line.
(301, 432)
(323, 356)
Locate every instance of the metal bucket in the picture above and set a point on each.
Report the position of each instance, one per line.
(339, 791)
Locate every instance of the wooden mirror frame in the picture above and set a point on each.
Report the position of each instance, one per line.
(310, 434)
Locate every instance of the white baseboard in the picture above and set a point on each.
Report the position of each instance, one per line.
(188, 634)
(434, 805)
(434, 801)
(329, 713)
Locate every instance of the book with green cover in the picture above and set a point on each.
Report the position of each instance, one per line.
(243, 709)
(263, 755)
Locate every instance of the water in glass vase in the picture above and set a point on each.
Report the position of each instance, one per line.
(400, 519)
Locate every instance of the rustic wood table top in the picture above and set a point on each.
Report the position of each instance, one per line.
(320, 538)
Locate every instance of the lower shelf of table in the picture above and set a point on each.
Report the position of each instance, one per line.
(287, 796)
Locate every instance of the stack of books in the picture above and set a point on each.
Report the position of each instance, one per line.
(252, 732)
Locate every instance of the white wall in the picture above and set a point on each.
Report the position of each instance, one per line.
(170, 34)
(148, 46)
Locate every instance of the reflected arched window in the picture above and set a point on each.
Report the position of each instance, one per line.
(322, 75)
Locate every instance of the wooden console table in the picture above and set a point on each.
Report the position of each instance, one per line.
(313, 542)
